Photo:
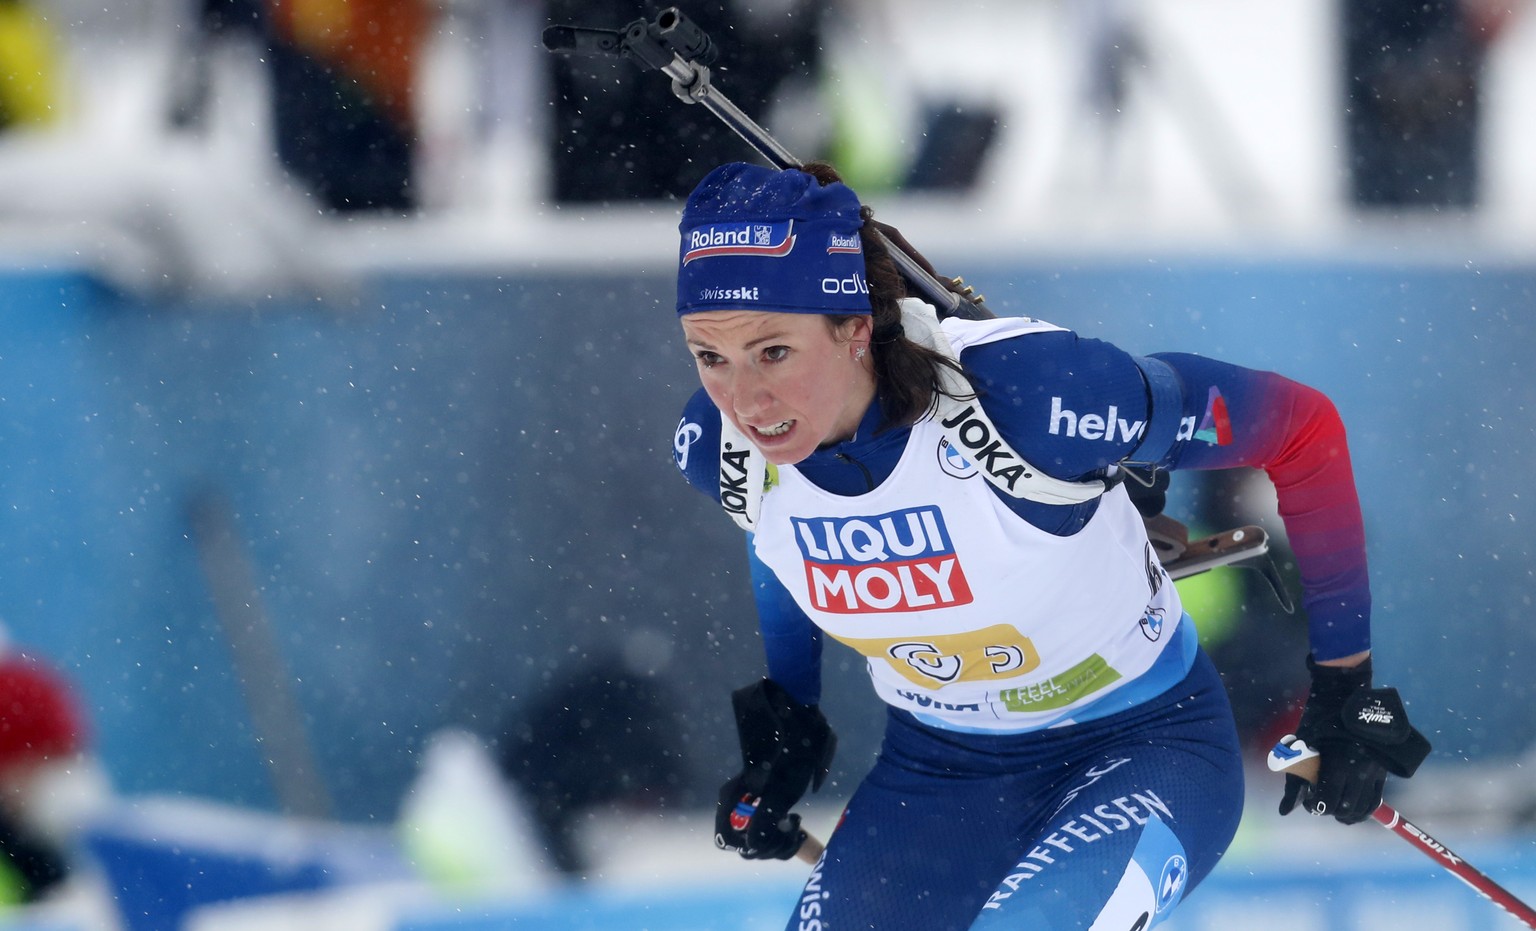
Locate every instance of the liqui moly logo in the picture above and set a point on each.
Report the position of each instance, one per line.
(765, 240)
(901, 561)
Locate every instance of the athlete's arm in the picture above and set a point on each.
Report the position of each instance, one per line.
(1073, 406)
(696, 445)
(1233, 416)
(790, 640)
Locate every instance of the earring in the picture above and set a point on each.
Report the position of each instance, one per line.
(859, 354)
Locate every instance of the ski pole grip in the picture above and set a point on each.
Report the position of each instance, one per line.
(1293, 757)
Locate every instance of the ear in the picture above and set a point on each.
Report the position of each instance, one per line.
(858, 328)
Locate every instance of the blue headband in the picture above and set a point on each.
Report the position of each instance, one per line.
(758, 238)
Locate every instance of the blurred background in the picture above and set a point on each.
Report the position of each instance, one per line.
(343, 564)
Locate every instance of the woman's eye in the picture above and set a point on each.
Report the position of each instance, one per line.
(776, 353)
(708, 359)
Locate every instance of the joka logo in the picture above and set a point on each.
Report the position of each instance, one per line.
(765, 240)
(733, 478)
(901, 561)
(973, 433)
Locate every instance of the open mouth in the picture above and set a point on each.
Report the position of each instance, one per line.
(778, 429)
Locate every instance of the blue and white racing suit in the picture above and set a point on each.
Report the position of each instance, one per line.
(1059, 754)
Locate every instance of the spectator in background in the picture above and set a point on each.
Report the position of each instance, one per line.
(27, 66)
(1413, 76)
(41, 731)
(600, 735)
(343, 79)
(343, 73)
(617, 138)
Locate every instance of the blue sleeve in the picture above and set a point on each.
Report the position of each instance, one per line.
(696, 443)
(790, 640)
(1070, 405)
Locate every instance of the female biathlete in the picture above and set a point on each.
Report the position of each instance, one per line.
(948, 500)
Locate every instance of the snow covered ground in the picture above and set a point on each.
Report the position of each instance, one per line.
(652, 872)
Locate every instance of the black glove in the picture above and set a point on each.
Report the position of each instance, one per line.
(1361, 734)
(786, 747)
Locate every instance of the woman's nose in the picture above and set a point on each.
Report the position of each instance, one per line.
(749, 394)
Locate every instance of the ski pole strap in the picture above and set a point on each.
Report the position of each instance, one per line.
(1165, 403)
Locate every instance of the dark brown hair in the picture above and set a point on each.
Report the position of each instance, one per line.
(908, 376)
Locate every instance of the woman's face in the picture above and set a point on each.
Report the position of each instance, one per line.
(789, 382)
